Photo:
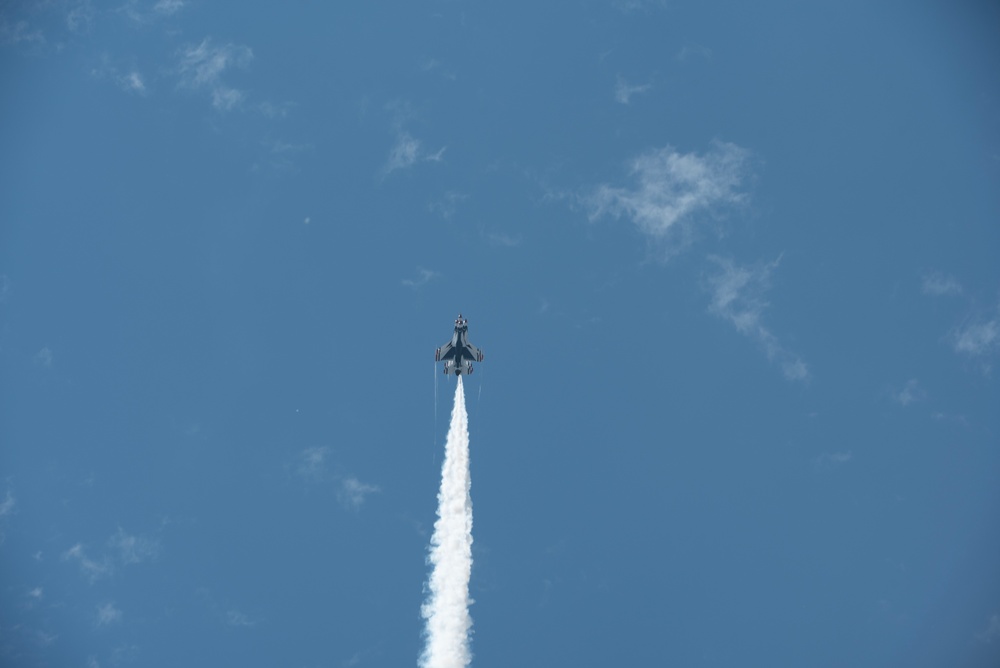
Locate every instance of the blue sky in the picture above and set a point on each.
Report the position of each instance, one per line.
(735, 269)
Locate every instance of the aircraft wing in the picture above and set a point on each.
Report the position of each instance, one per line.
(445, 352)
(473, 352)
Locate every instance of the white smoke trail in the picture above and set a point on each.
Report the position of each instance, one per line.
(447, 607)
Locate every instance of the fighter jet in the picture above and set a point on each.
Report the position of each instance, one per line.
(458, 354)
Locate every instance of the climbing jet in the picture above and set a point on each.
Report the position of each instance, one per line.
(458, 354)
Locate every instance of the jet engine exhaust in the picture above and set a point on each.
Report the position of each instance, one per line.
(446, 609)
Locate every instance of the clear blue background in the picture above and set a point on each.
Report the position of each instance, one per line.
(735, 268)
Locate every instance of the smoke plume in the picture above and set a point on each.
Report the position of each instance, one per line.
(447, 607)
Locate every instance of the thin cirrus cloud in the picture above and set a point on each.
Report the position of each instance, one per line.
(423, 277)
(831, 460)
(312, 463)
(910, 393)
(737, 295)
(501, 240)
(126, 549)
(979, 337)
(624, 90)
(407, 151)
(45, 358)
(143, 12)
(19, 32)
(447, 205)
(80, 19)
(673, 192)
(238, 618)
(168, 7)
(313, 467)
(404, 153)
(134, 548)
(130, 81)
(7, 507)
(992, 631)
(8, 504)
(202, 67)
(690, 51)
(92, 569)
(630, 6)
(108, 613)
(352, 492)
(937, 284)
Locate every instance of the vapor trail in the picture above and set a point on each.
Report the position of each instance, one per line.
(447, 607)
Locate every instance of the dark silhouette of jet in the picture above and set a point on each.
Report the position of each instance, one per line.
(458, 354)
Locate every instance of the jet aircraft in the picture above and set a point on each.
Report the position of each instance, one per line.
(458, 354)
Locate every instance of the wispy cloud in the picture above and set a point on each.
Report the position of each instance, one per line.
(284, 147)
(314, 466)
(80, 18)
(35, 597)
(403, 153)
(92, 569)
(280, 156)
(19, 32)
(131, 80)
(312, 463)
(134, 549)
(275, 110)
(937, 284)
(503, 240)
(168, 7)
(432, 65)
(36, 636)
(448, 204)
(992, 631)
(738, 296)
(224, 98)
(424, 276)
(830, 460)
(364, 657)
(437, 156)
(630, 6)
(238, 618)
(978, 337)
(124, 654)
(229, 613)
(624, 91)
(145, 12)
(673, 192)
(352, 492)
(108, 613)
(45, 358)
(407, 151)
(957, 418)
(202, 67)
(690, 51)
(8, 505)
(126, 549)
(910, 393)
